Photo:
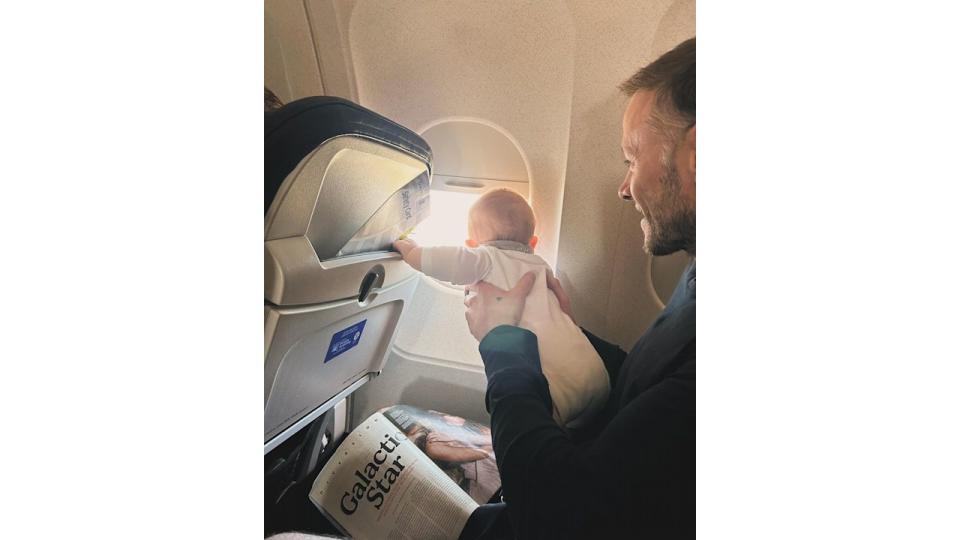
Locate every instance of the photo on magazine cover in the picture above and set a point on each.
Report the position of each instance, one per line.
(461, 448)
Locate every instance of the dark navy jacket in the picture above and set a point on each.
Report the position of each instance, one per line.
(632, 475)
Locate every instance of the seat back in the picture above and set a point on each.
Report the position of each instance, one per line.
(341, 184)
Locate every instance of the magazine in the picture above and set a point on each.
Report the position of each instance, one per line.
(407, 473)
(411, 204)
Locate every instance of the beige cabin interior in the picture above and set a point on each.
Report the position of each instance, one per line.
(507, 93)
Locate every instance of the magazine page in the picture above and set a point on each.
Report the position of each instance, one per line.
(406, 208)
(379, 485)
(463, 449)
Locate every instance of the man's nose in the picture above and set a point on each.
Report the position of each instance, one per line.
(624, 191)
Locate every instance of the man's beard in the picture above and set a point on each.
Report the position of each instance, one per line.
(672, 223)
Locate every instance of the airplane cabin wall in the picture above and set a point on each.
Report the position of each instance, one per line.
(290, 67)
(616, 289)
(546, 75)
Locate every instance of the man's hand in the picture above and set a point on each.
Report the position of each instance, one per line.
(554, 285)
(489, 307)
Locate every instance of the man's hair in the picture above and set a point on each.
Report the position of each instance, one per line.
(507, 215)
(673, 78)
(270, 100)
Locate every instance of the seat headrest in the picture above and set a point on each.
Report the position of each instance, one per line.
(296, 129)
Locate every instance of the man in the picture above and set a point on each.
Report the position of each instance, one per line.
(632, 474)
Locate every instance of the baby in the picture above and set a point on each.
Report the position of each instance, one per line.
(499, 251)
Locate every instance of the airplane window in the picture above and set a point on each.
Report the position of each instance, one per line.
(447, 224)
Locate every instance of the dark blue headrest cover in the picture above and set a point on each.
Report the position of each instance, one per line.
(296, 129)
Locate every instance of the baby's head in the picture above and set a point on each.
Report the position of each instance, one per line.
(501, 214)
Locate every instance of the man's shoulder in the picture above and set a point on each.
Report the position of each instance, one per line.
(686, 364)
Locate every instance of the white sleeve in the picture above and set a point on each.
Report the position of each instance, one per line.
(457, 265)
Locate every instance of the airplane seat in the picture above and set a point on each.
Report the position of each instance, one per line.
(296, 129)
(340, 184)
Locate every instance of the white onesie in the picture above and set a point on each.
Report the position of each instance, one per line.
(579, 384)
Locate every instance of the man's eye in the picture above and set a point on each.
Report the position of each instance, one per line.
(627, 162)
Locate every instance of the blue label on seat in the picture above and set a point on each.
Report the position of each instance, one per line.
(344, 340)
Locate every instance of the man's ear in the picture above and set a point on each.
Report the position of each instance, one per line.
(533, 241)
(471, 243)
(692, 145)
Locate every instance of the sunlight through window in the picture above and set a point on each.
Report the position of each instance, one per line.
(447, 224)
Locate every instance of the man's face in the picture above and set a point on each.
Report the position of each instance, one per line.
(660, 180)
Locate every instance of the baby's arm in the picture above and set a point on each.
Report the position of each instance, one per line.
(410, 251)
(457, 265)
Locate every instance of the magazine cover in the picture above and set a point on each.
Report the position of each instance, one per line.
(379, 484)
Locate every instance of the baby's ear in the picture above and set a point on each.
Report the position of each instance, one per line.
(471, 243)
(533, 241)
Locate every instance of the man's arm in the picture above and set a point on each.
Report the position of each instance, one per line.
(556, 489)
(638, 474)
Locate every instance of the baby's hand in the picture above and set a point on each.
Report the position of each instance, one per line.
(409, 250)
(404, 246)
